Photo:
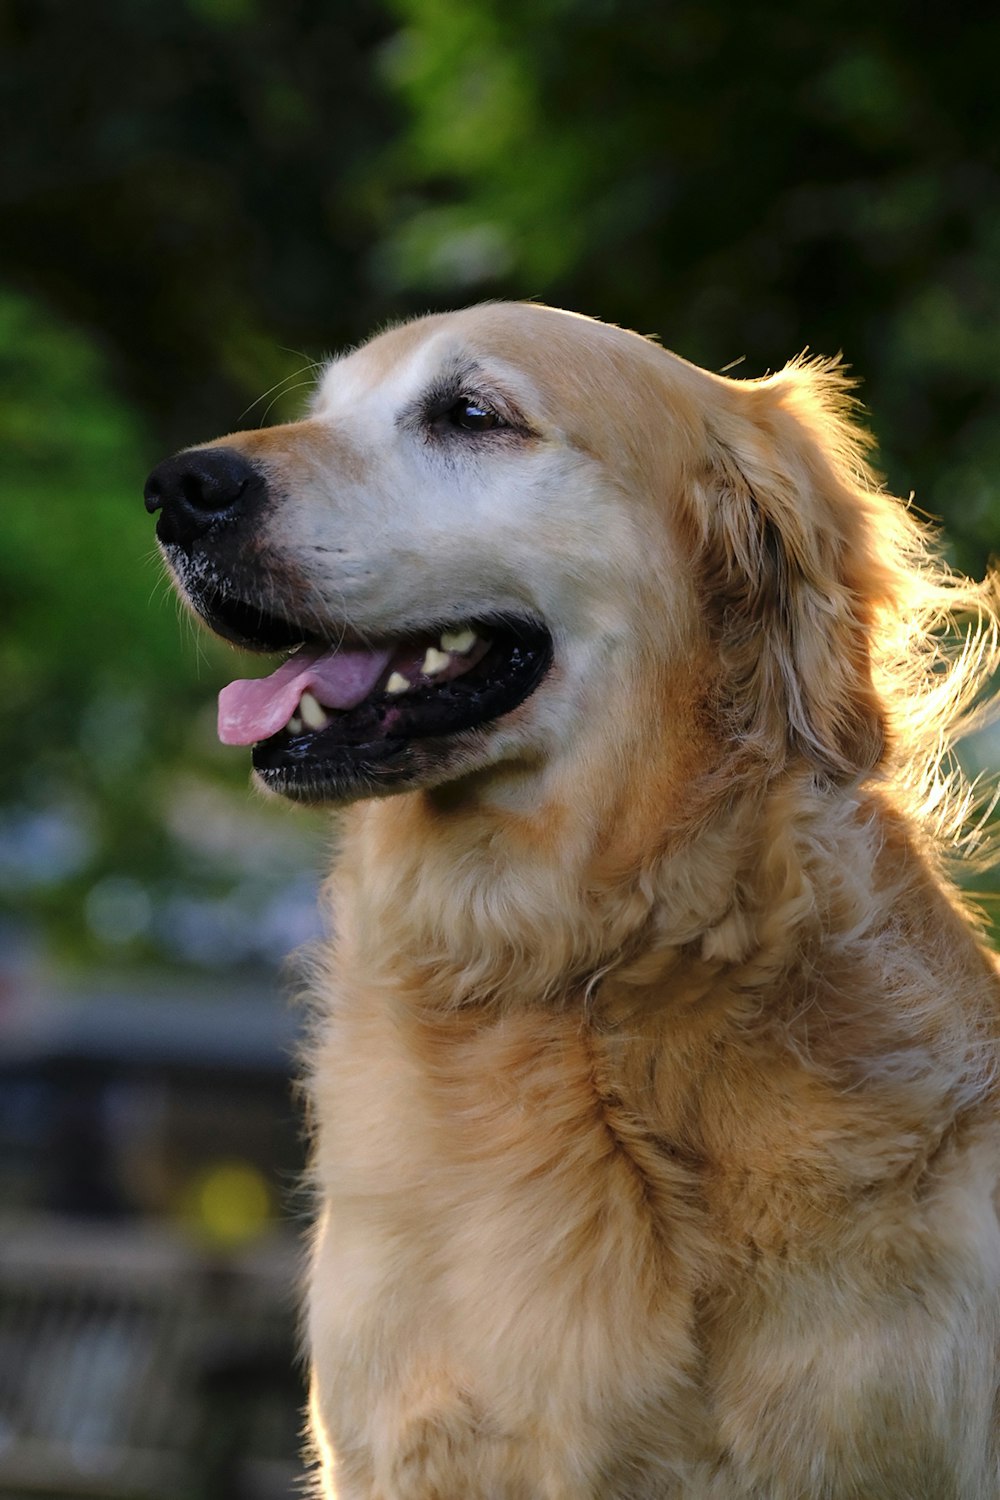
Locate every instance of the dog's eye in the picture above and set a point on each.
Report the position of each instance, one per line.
(472, 416)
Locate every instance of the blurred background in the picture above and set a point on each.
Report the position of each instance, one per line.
(199, 200)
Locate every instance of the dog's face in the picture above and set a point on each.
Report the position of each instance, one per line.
(445, 544)
(509, 536)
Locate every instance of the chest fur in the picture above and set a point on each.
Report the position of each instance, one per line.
(496, 1214)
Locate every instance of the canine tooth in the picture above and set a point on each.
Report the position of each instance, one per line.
(397, 683)
(294, 725)
(314, 715)
(461, 641)
(434, 662)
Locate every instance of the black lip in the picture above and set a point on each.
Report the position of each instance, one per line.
(388, 743)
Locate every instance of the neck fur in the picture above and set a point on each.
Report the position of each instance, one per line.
(478, 906)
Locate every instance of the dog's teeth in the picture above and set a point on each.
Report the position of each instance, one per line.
(397, 683)
(294, 725)
(461, 641)
(434, 662)
(314, 715)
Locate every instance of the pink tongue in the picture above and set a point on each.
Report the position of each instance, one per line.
(255, 708)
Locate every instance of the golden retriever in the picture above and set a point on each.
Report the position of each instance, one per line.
(654, 1077)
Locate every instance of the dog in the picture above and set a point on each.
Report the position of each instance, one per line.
(654, 1076)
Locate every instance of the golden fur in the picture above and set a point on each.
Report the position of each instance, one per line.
(654, 1078)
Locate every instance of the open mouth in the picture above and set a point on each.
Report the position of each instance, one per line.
(335, 722)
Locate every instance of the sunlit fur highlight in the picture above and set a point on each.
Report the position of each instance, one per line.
(932, 633)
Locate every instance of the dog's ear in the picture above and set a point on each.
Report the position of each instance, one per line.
(790, 570)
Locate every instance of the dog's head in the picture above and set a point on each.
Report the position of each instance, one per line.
(509, 535)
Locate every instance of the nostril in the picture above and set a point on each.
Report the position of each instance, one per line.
(212, 491)
(153, 494)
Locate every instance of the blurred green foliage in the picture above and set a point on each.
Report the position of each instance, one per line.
(106, 734)
(200, 199)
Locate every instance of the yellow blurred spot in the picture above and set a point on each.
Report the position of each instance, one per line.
(228, 1202)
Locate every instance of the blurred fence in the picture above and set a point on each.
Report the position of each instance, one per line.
(133, 1367)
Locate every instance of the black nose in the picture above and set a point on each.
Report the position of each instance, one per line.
(200, 491)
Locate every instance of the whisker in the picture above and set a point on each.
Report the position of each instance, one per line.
(277, 388)
(286, 392)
